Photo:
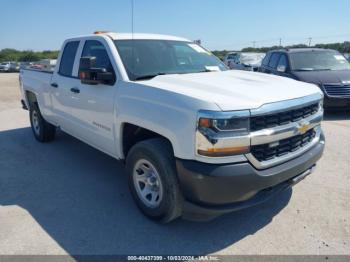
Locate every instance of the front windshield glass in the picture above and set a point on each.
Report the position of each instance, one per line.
(318, 60)
(146, 58)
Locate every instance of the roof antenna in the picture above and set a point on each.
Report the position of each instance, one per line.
(132, 19)
(132, 33)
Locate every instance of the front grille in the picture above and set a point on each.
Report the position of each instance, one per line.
(276, 149)
(337, 90)
(282, 118)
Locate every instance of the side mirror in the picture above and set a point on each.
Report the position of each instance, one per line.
(91, 75)
(281, 68)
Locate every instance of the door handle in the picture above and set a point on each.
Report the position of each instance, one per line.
(55, 85)
(75, 90)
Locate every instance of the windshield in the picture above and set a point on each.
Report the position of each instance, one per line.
(318, 60)
(144, 59)
(232, 56)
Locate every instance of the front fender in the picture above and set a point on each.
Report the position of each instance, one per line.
(168, 114)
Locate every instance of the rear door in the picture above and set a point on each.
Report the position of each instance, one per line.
(93, 105)
(61, 84)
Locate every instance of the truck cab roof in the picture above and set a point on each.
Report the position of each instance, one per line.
(301, 50)
(144, 36)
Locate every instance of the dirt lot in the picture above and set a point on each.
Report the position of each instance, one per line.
(68, 198)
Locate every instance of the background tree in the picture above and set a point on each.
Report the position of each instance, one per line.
(9, 54)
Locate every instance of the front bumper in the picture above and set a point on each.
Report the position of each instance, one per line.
(336, 102)
(211, 189)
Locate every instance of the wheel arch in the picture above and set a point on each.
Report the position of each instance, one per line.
(131, 134)
(30, 98)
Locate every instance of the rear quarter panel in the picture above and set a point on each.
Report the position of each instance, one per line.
(37, 82)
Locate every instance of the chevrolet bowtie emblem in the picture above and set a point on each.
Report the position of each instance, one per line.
(303, 127)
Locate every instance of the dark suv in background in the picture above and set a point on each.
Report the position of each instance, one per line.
(347, 56)
(324, 67)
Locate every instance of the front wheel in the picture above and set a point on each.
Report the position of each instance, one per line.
(43, 131)
(153, 181)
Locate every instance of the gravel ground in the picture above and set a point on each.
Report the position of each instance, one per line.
(68, 198)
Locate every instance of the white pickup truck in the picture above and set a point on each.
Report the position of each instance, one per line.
(197, 139)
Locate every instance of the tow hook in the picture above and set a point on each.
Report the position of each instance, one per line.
(300, 177)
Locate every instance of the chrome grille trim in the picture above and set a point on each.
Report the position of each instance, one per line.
(266, 136)
(285, 158)
(283, 147)
(337, 90)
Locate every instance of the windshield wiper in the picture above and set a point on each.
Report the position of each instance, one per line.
(145, 77)
(304, 69)
(313, 69)
(205, 71)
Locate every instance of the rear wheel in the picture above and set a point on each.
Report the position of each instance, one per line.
(43, 131)
(153, 181)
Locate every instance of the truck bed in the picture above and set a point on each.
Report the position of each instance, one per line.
(36, 81)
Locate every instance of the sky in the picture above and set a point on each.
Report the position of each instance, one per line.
(220, 24)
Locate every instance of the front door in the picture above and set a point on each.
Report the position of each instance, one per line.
(93, 105)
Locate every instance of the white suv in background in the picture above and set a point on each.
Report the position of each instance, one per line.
(9, 67)
(244, 61)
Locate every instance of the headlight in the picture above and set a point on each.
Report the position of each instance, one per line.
(320, 104)
(237, 126)
(221, 134)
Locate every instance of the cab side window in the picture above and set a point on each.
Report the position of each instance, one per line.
(283, 61)
(68, 57)
(93, 48)
(274, 60)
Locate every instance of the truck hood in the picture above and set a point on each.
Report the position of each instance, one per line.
(234, 90)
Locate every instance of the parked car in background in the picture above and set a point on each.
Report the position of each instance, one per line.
(231, 58)
(37, 66)
(326, 68)
(15, 67)
(9, 67)
(244, 61)
(43, 65)
(48, 64)
(5, 67)
(24, 65)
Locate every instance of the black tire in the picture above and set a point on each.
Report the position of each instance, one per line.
(159, 153)
(42, 130)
